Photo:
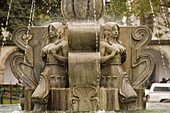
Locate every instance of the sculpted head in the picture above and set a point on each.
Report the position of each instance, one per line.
(53, 30)
(111, 31)
(61, 32)
(116, 31)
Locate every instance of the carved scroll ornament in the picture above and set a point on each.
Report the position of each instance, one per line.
(23, 65)
(18, 66)
(142, 63)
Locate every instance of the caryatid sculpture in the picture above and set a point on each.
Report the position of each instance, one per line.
(113, 55)
(55, 55)
(83, 65)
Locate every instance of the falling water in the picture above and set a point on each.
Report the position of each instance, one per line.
(154, 19)
(155, 30)
(29, 24)
(130, 11)
(166, 20)
(97, 41)
(163, 10)
(33, 14)
(7, 20)
(5, 31)
(163, 61)
(97, 48)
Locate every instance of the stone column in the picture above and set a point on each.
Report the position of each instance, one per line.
(2, 68)
(28, 105)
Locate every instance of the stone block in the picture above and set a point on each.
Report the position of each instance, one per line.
(84, 37)
(109, 99)
(84, 69)
(58, 99)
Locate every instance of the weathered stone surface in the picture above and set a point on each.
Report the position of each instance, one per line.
(59, 99)
(103, 64)
(142, 64)
(36, 41)
(83, 73)
(84, 69)
(109, 99)
(84, 76)
(82, 9)
(84, 37)
(84, 98)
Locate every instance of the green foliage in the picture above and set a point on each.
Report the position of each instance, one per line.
(117, 9)
(158, 35)
(141, 9)
(46, 11)
(7, 101)
(18, 14)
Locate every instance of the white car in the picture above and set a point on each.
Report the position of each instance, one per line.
(159, 92)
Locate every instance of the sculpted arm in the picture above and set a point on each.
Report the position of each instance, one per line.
(107, 57)
(59, 57)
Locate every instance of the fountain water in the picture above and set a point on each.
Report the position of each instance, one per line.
(155, 30)
(5, 32)
(82, 66)
(28, 29)
(130, 10)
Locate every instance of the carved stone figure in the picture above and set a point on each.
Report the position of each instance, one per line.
(82, 67)
(113, 55)
(54, 74)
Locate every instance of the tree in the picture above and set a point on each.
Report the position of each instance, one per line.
(46, 11)
(141, 9)
(18, 14)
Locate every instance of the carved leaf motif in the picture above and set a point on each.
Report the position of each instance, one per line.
(84, 92)
(142, 64)
(84, 98)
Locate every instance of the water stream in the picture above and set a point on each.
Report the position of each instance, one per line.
(29, 25)
(155, 30)
(5, 32)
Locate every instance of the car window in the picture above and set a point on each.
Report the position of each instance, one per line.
(162, 89)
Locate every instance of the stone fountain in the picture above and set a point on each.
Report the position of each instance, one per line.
(83, 65)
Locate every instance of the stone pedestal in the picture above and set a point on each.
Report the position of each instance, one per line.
(109, 99)
(28, 105)
(58, 99)
(84, 81)
(2, 74)
(140, 101)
